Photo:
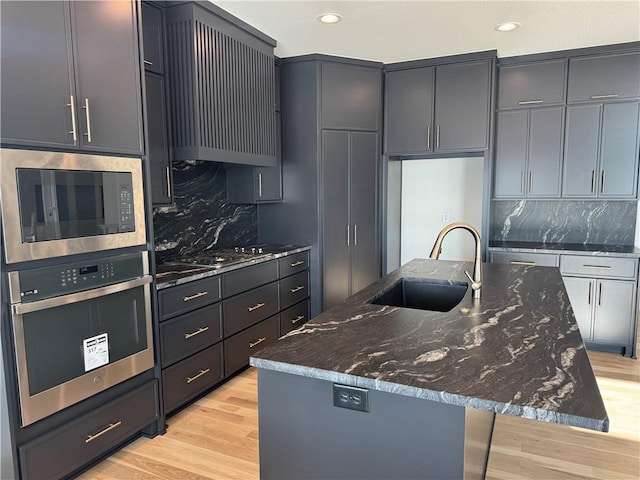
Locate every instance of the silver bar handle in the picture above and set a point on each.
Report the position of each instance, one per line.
(597, 97)
(197, 332)
(256, 307)
(88, 115)
(590, 288)
(603, 180)
(603, 267)
(438, 137)
(21, 308)
(74, 127)
(522, 182)
(429, 137)
(355, 235)
(297, 319)
(257, 342)
(298, 263)
(168, 182)
(600, 295)
(147, 62)
(188, 298)
(91, 438)
(530, 102)
(593, 181)
(260, 185)
(198, 375)
(297, 289)
(517, 262)
(348, 236)
(530, 181)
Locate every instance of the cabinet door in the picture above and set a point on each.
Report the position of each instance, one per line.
(545, 152)
(36, 74)
(582, 297)
(158, 145)
(538, 83)
(363, 210)
(614, 312)
(603, 77)
(619, 151)
(409, 110)
(108, 76)
(336, 236)
(511, 153)
(152, 28)
(462, 106)
(579, 178)
(351, 97)
(269, 179)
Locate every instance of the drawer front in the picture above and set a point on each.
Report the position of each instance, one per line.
(521, 258)
(293, 264)
(294, 317)
(184, 298)
(247, 278)
(240, 347)
(605, 267)
(189, 333)
(249, 308)
(68, 448)
(192, 376)
(294, 289)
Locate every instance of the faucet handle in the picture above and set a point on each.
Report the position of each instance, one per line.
(474, 285)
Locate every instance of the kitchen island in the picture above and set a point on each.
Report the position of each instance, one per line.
(428, 383)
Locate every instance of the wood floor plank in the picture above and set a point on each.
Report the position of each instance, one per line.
(216, 438)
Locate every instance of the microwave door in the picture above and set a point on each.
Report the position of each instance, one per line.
(51, 214)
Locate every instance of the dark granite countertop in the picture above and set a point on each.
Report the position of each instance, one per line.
(169, 274)
(516, 351)
(569, 248)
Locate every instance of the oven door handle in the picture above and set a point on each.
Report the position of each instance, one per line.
(22, 308)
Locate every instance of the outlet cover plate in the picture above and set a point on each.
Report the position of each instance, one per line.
(353, 398)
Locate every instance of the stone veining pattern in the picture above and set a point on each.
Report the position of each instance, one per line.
(201, 218)
(568, 221)
(517, 351)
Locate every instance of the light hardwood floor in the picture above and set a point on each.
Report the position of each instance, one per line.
(217, 438)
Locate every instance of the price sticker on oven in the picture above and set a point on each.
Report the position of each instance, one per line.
(96, 351)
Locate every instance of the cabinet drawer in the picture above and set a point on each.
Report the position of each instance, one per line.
(293, 317)
(249, 308)
(531, 85)
(293, 264)
(605, 267)
(606, 77)
(521, 258)
(190, 333)
(240, 347)
(249, 277)
(66, 449)
(192, 376)
(187, 297)
(294, 289)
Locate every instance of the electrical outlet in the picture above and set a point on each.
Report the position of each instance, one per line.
(446, 218)
(353, 398)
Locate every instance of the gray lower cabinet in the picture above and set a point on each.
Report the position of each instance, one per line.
(601, 150)
(529, 153)
(71, 76)
(294, 317)
(437, 109)
(61, 452)
(604, 77)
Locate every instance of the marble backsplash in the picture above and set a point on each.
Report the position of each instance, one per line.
(564, 221)
(201, 218)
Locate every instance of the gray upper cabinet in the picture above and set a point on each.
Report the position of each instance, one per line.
(532, 84)
(153, 38)
(222, 95)
(606, 77)
(440, 109)
(80, 88)
(529, 153)
(601, 150)
(350, 97)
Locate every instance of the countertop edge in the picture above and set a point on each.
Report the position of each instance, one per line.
(426, 394)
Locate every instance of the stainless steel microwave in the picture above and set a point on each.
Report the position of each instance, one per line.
(55, 204)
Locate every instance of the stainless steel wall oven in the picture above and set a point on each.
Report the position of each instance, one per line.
(78, 329)
(56, 203)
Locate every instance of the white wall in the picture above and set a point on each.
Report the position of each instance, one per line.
(431, 188)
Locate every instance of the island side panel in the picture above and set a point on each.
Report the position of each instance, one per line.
(304, 436)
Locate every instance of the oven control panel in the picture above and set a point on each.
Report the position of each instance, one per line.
(47, 282)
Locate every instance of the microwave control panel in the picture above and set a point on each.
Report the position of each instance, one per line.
(46, 282)
(127, 223)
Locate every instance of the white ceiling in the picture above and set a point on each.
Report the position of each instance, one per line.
(393, 31)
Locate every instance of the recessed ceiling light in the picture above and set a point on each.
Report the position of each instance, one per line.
(329, 18)
(507, 26)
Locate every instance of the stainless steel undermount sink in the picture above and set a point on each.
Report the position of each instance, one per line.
(423, 294)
